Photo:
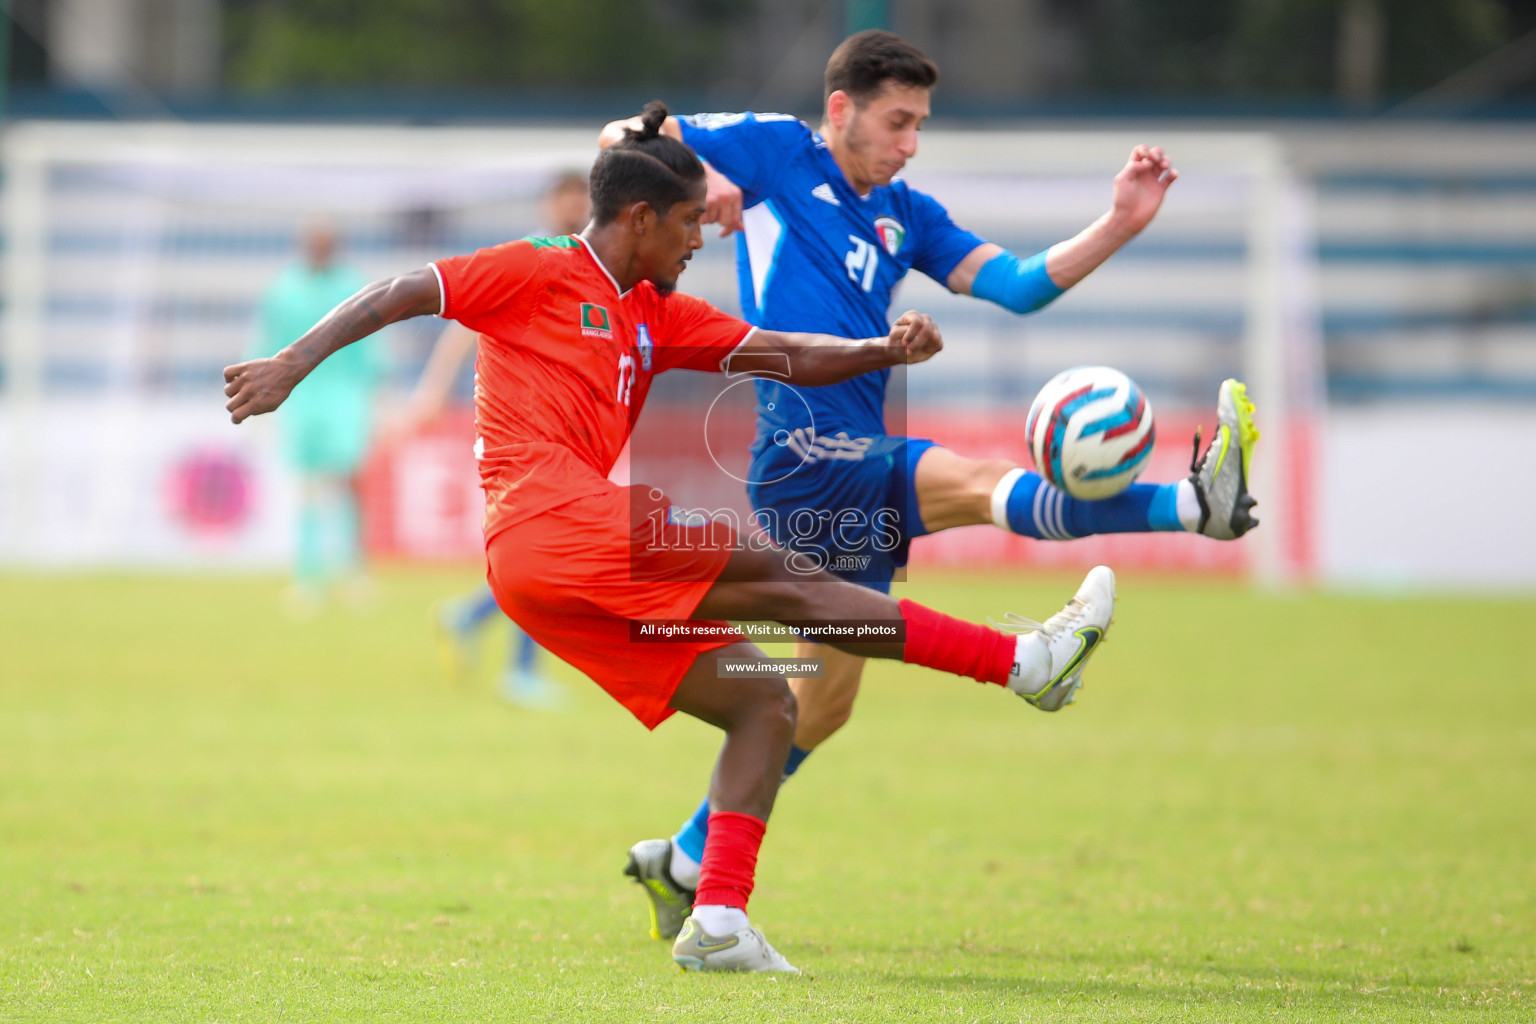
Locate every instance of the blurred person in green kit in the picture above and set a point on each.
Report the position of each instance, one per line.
(327, 424)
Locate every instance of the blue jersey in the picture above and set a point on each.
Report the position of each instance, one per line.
(816, 256)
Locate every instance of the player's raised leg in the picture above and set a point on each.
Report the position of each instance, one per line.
(953, 490)
(1040, 661)
(1213, 500)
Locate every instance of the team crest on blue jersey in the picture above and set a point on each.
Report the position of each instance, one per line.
(643, 341)
(892, 234)
(714, 122)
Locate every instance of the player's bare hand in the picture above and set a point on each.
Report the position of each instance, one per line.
(257, 386)
(1140, 187)
(918, 335)
(722, 201)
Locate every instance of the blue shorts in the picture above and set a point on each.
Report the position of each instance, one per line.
(852, 509)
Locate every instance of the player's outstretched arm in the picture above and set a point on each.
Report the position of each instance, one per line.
(991, 272)
(261, 385)
(812, 360)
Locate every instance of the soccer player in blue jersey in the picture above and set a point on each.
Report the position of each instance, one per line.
(828, 231)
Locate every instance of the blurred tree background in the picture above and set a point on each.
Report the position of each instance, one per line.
(524, 44)
(1284, 47)
(1172, 48)
(999, 56)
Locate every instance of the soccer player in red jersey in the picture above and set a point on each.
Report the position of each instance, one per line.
(572, 331)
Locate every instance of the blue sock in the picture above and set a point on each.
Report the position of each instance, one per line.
(690, 838)
(476, 608)
(527, 652)
(1036, 509)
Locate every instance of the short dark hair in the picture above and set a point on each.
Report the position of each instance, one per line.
(865, 61)
(644, 166)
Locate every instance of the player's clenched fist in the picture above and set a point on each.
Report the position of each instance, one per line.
(918, 334)
(257, 386)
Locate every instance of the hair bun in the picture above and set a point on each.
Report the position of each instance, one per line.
(651, 119)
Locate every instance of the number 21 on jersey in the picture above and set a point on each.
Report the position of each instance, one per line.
(862, 262)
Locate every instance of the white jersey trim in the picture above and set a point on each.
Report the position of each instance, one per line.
(588, 250)
(442, 289)
(725, 362)
(764, 231)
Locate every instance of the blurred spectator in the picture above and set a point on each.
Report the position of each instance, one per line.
(327, 422)
(566, 206)
(565, 210)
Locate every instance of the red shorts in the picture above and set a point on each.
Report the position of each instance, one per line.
(574, 576)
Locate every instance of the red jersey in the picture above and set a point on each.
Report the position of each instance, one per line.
(565, 363)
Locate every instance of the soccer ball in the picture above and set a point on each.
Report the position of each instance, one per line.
(1090, 431)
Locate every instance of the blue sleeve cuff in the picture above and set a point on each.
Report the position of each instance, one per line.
(1021, 286)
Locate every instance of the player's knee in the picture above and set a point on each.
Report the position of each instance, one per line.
(765, 702)
(837, 712)
(786, 708)
(774, 707)
(829, 713)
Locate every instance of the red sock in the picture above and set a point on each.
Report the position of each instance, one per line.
(936, 640)
(730, 860)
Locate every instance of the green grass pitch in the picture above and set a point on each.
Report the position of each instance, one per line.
(1299, 808)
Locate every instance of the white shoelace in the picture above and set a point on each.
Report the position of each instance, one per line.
(1016, 625)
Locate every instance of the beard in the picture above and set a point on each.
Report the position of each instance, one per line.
(860, 163)
(859, 147)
